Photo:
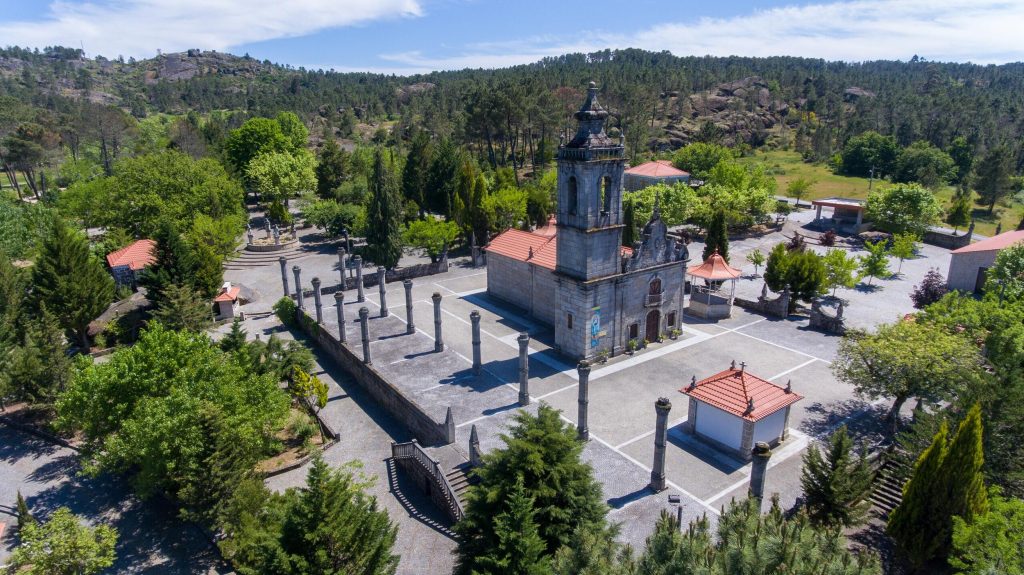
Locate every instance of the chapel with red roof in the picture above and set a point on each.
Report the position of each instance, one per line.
(574, 274)
(734, 409)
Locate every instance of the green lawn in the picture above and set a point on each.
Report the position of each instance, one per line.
(788, 166)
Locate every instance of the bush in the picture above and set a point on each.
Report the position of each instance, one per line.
(828, 239)
(286, 310)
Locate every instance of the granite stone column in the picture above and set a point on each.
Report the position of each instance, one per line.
(341, 266)
(364, 328)
(438, 342)
(381, 276)
(298, 286)
(410, 326)
(759, 468)
(583, 401)
(316, 301)
(359, 279)
(524, 369)
(284, 273)
(474, 447)
(474, 320)
(339, 302)
(661, 407)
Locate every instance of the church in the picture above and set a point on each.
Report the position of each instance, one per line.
(600, 297)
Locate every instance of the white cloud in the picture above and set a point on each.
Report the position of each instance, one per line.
(138, 28)
(980, 31)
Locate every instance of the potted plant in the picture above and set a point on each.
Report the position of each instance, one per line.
(676, 332)
(602, 356)
(631, 346)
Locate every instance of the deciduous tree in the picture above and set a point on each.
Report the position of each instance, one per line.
(903, 208)
(63, 546)
(931, 289)
(876, 263)
(840, 270)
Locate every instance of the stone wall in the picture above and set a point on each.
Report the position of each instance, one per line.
(822, 320)
(963, 269)
(948, 241)
(404, 409)
(778, 307)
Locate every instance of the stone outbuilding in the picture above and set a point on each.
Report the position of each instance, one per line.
(734, 409)
(127, 263)
(598, 295)
(969, 264)
(651, 173)
(225, 304)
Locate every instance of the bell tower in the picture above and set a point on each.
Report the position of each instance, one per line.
(589, 216)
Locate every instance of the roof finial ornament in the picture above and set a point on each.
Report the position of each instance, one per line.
(530, 254)
(733, 365)
(693, 382)
(743, 366)
(789, 386)
(750, 405)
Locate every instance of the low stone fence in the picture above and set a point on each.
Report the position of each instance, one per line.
(778, 307)
(822, 320)
(398, 275)
(948, 240)
(423, 427)
(270, 247)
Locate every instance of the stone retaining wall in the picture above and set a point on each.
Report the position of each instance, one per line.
(269, 247)
(415, 418)
(778, 307)
(948, 241)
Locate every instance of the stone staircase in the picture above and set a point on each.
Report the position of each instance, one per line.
(408, 505)
(888, 489)
(460, 480)
(245, 260)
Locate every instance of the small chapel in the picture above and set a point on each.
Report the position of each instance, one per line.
(601, 298)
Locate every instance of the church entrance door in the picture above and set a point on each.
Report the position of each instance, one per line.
(653, 325)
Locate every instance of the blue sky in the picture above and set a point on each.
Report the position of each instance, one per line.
(408, 36)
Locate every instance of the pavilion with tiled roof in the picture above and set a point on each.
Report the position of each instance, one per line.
(710, 300)
(735, 409)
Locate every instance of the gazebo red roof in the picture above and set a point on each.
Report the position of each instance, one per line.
(733, 389)
(714, 268)
(231, 294)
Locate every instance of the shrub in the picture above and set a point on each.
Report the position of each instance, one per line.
(286, 311)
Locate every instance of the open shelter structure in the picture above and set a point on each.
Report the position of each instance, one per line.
(708, 300)
(847, 214)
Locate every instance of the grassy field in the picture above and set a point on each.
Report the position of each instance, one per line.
(788, 166)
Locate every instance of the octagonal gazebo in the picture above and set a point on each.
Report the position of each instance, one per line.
(711, 300)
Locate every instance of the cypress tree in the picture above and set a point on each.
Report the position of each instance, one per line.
(837, 486)
(183, 308)
(629, 219)
(384, 216)
(331, 168)
(519, 549)
(174, 263)
(24, 515)
(717, 237)
(70, 282)
(416, 171)
(915, 523)
(962, 470)
(235, 340)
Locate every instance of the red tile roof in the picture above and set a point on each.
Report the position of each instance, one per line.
(230, 295)
(714, 268)
(732, 390)
(538, 248)
(657, 169)
(136, 256)
(1003, 240)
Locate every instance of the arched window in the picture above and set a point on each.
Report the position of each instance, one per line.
(574, 196)
(606, 194)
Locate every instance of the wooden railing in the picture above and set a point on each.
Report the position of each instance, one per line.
(411, 450)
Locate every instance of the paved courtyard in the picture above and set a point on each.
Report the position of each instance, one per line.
(623, 390)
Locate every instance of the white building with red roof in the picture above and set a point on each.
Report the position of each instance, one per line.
(574, 274)
(968, 265)
(128, 262)
(735, 409)
(226, 302)
(651, 173)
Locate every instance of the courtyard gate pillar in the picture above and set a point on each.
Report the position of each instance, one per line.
(284, 273)
(364, 329)
(341, 266)
(759, 469)
(298, 286)
(381, 276)
(583, 402)
(524, 369)
(438, 342)
(661, 407)
(410, 327)
(474, 320)
(449, 427)
(339, 302)
(474, 447)
(358, 260)
(316, 301)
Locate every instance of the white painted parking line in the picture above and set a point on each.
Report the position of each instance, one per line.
(792, 369)
(649, 433)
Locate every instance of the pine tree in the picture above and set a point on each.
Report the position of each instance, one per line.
(384, 215)
(546, 454)
(519, 549)
(174, 263)
(332, 526)
(70, 282)
(24, 515)
(417, 170)
(183, 308)
(837, 486)
(717, 237)
(331, 168)
(992, 179)
(960, 214)
(235, 340)
(915, 524)
(444, 169)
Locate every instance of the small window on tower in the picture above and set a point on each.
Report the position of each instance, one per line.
(568, 321)
(574, 196)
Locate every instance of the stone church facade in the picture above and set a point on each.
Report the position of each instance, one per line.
(596, 294)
